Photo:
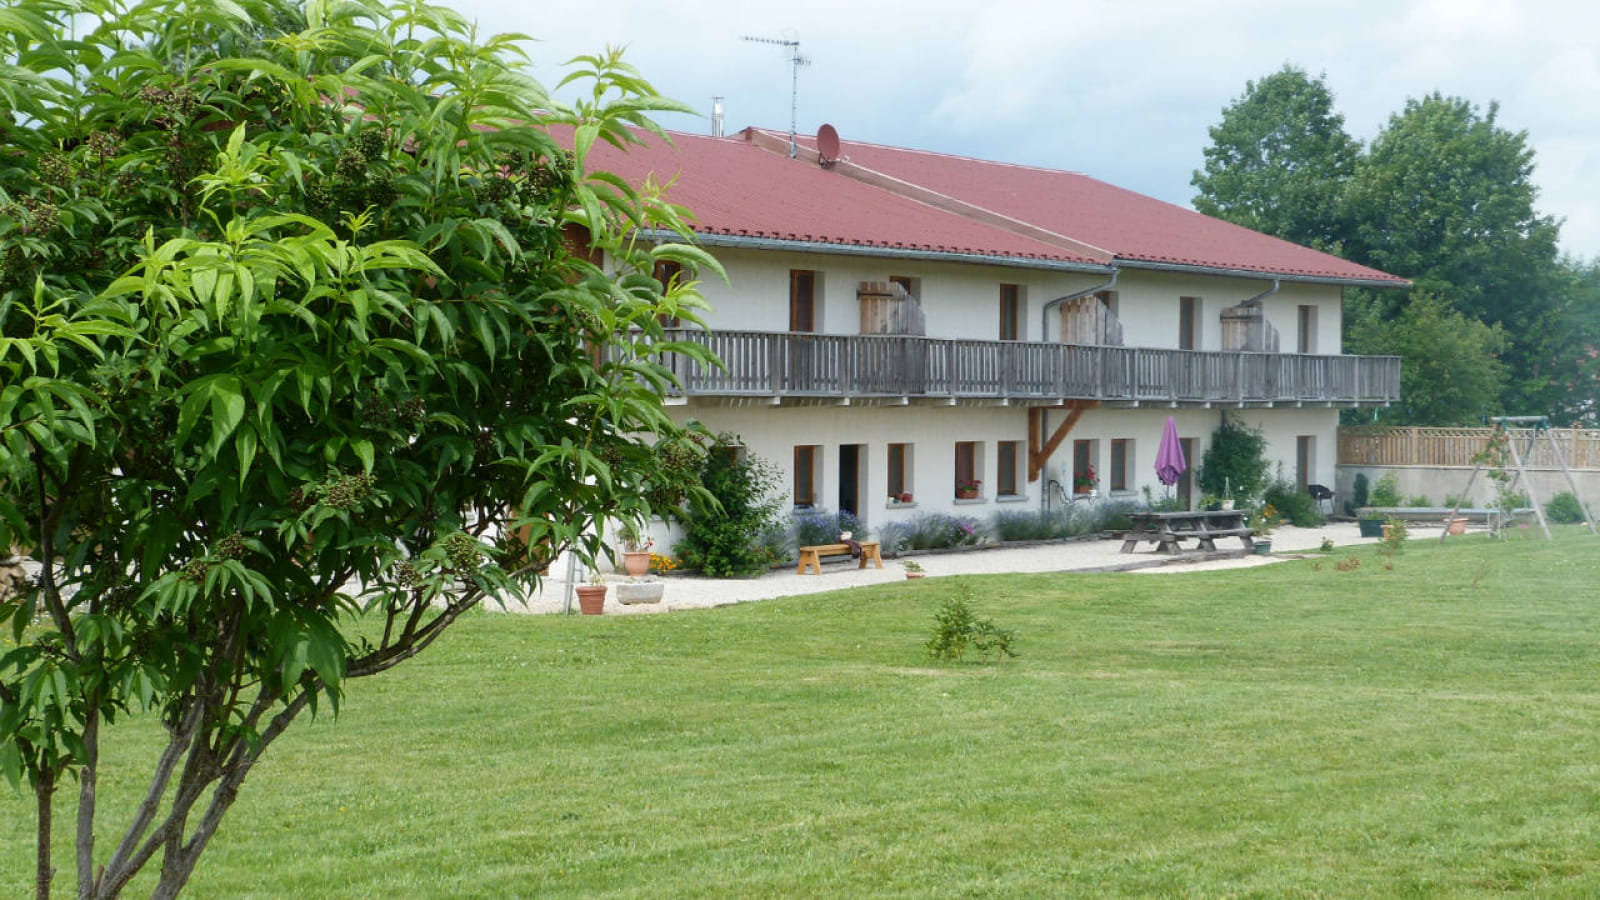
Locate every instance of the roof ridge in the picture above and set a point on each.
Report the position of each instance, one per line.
(768, 140)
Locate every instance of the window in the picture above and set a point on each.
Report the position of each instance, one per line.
(913, 286)
(968, 484)
(1010, 312)
(805, 474)
(900, 472)
(1305, 459)
(1085, 477)
(1121, 455)
(802, 300)
(1005, 473)
(1188, 323)
(668, 273)
(1308, 329)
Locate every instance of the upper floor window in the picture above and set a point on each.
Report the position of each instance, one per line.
(667, 274)
(1010, 312)
(1188, 323)
(802, 300)
(1308, 329)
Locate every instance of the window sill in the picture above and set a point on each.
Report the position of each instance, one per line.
(896, 504)
(1011, 498)
(973, 501)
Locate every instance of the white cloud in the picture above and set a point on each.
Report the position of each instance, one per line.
(1121, 90)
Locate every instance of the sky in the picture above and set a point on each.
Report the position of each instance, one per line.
(1121, 90)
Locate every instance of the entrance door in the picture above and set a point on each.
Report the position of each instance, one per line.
(850, 472)
(1186, 480)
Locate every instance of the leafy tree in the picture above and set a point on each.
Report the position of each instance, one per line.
(1279, 161)
(303, 354)
(1235, 462)
(1444, 196)
(1452, 374)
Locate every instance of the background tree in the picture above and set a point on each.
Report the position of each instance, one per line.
(1279, 161)
(303, 354)
(1452, 374)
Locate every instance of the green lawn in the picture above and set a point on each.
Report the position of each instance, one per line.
(1287, 731)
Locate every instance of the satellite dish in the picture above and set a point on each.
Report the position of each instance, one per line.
(828, 145)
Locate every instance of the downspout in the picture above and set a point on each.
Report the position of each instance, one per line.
(1044, 327)
(1259, 298)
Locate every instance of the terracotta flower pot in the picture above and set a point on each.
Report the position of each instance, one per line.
(1456, 525)
(592, 599)
(636, 562)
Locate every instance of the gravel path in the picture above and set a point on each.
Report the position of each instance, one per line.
(691, 592)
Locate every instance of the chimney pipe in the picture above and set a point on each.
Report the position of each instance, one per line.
(716, 117)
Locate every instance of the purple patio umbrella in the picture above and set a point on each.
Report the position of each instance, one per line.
(1169, 456)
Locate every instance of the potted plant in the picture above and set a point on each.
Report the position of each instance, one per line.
(1262, 522)
(1371, 524)
(913, 568)
(967, 489)
(635, 549)
(1084, 482)
(592, 596)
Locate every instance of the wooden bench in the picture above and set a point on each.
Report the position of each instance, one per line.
(811, 557)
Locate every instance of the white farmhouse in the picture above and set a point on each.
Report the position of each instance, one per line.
(908, 331)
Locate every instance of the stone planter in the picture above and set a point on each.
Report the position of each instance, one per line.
(640, 592)
(1263, 546)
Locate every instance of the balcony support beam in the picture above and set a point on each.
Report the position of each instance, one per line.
(1039, 449)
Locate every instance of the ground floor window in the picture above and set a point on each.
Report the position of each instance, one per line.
(1085, 474)
(900, 468)
(1121, 459)
(1005, 472)
(968, 485)
(806, 457)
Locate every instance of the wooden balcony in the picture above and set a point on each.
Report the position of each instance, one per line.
(784, 365)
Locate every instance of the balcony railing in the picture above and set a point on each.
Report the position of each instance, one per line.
(786, 364)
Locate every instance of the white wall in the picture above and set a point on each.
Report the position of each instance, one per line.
(962, 300)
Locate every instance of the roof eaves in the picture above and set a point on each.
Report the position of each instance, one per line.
(1306, 277)
(747, 241)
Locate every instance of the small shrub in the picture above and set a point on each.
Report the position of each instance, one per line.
(1419, 500)
(1114, 517)
(1235, 462)
(1358, 495)
(1387, 491)
(1294, 506)
(1564, 509)
(819, 525)
(932, 531)
(1348, 564)
(1456, 501)
(956, 629)
(1024, 526)
(1514, 500)
(1395, 532)
(733, 539)
(1326, 546)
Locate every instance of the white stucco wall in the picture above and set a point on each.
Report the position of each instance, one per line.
(962, 301)
(773, 432)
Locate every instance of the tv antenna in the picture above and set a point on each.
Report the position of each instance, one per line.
(795, 62)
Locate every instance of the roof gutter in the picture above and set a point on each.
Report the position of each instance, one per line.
(759, 243)
(1044, 312)
(1256, 275)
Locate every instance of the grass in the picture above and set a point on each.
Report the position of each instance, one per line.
(1286, 731)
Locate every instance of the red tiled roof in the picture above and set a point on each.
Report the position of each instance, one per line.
(1133, 227)
(736, 188)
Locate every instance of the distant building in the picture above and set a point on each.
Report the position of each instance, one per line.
(904, 324)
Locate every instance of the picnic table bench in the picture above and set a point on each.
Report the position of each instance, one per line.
(811, 557)
(1167, 530)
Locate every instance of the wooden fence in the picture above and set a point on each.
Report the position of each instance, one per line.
(1455, 447)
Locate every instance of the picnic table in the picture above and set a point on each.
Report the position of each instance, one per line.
(1167, 530)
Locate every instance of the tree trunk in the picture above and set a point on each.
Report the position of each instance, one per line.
(45, 793)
